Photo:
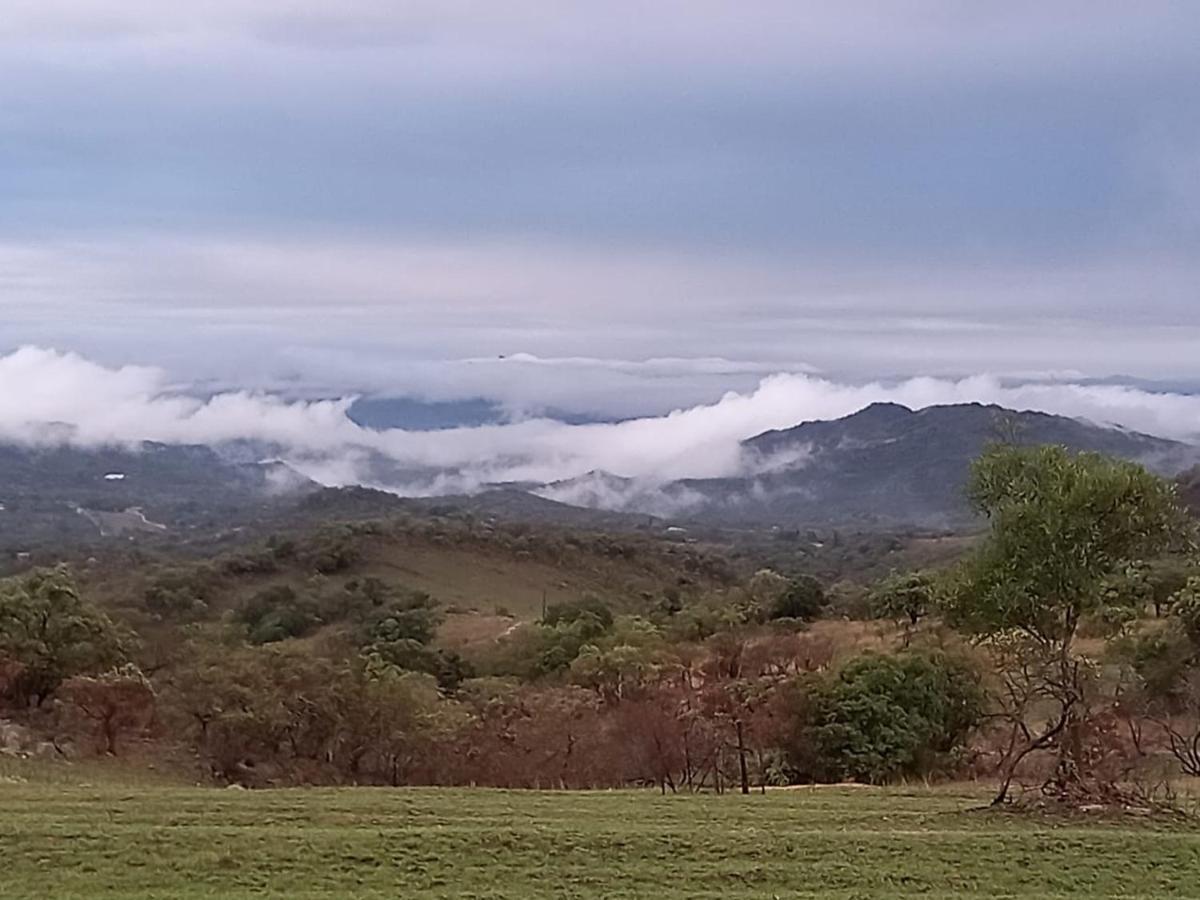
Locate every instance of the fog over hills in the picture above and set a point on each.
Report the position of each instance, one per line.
(886, 465)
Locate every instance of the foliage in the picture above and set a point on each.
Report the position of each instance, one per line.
(1166, 665)
(907, 596)
(404, 616)
(52, 633)
(118, 701)
(179, 592)
(803, 600)
(591, 613)
(883, 716)
(1062, 527)
(623, 661)
(330, 552)
(1186, 609)
(277, 613)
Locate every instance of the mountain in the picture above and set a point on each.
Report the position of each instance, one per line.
(65, 495)
(64, 500)
(1189, 489)
(885, 466)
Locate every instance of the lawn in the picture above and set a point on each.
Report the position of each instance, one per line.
(111, 839)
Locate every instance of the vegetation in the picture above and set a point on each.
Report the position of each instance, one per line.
(142, 840)
(908, 597)
(1062, 527)
(882, 717)
(48, 633)
(1060, 652)
(1063, 651)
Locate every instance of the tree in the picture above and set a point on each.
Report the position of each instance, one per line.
(383, 719)
(884, 716)
(52, 633)
(117, 701)
(1166, 688)
(1167, 577)
(803, 599)
(622, 662)
(1062, 525)
(591, 613)
(907, 597)
(276, 613)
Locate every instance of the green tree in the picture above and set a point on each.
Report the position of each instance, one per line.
(803, 599)
(52, 633)
(387, 718)
(908, 597)
(276, 613)
(590, 613)
(885, 716)
(1062, 525)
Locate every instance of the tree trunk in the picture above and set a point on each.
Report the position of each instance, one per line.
(110, 736)
(741, 748)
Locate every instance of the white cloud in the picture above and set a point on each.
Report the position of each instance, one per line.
(383, 314)
(51, 396)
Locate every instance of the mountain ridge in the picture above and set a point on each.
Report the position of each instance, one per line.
(886, 465)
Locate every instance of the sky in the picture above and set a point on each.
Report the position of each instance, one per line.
(624, 208)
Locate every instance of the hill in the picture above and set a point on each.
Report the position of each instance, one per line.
(884, 467)
(61, 497)
(483, 577)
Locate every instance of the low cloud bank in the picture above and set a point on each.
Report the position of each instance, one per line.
(50, 397)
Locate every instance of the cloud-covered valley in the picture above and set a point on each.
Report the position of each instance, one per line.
(52, 397)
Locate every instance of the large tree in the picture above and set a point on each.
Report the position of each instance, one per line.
(52, 633)
(1062, 525)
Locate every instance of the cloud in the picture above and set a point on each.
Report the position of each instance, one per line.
(52, 397)
(873, 188)
(384, 315)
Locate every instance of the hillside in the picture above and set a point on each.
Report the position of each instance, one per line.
(884, 467)
(58, 498)
(482, 577)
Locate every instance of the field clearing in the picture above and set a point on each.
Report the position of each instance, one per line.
(109, 839)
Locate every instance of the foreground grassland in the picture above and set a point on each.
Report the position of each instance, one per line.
(147, 840)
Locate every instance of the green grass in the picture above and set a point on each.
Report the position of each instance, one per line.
(147, 840)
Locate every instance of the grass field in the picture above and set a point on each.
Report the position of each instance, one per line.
(110, 839)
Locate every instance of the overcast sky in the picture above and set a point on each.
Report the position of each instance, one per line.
(364, 194)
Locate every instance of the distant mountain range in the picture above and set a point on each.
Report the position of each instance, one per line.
(884, 466)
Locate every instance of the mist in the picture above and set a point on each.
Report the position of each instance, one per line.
(52, 397)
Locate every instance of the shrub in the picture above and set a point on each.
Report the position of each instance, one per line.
(330, 552)
(882, 717)
(804, 599)
(412, 616)
(590, 613)
(277, 613)
(181, 592)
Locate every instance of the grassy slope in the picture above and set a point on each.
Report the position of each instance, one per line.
(149, 841)
(481, 576)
